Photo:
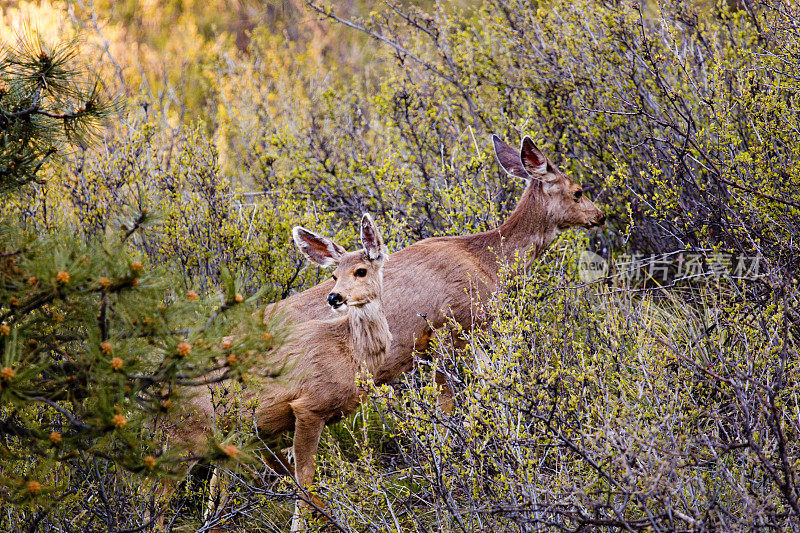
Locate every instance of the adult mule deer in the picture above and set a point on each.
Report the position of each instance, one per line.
(439, 277)
(323, 356)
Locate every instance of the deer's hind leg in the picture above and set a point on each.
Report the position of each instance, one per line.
(445, 381)
(446, 399)
(216, 495)
(278, 461)
(162, 496)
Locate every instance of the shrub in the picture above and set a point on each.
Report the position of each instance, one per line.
(621, 403)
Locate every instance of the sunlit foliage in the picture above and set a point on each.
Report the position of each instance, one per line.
(654, 404)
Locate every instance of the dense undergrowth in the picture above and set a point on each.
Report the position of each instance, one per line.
(652, 397)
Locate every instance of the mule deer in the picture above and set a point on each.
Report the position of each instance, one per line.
(323, 356)
(439, 277)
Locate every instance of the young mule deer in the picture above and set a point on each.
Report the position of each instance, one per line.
(438, 278)
(323, 357)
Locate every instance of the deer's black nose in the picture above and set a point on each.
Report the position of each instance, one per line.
(602, 220)
(335, 299)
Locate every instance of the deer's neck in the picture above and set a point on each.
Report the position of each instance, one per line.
(369, 333)
(526, 233)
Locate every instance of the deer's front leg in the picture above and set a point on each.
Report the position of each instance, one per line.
(307, 432)
(446, 398)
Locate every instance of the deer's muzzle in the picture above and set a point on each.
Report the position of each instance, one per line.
(335, 300)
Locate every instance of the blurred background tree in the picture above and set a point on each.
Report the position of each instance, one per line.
(43, 107)
(97, 348)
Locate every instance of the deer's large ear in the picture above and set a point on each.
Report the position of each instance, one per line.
(316, 248)
(509, 159)
(532, 158)
(371, 239)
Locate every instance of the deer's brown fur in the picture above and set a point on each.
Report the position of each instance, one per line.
(439, 277)
(323, 356)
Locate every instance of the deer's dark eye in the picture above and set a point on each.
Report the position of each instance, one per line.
(360, 273)
(578, 195)
(334, 277)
